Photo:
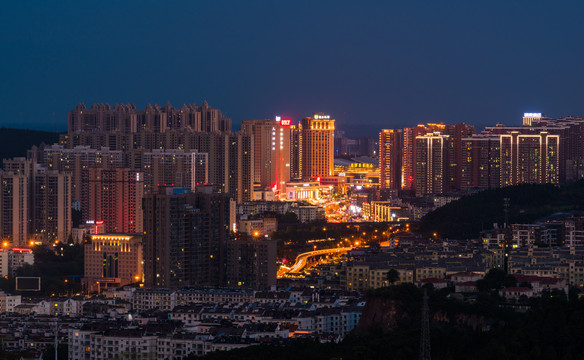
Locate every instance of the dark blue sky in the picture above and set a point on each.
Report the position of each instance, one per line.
(370, 64)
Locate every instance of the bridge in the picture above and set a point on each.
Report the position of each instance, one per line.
(302, 260)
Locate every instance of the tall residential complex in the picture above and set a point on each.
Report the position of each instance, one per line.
(434, 160)
(251, 262)
(317, 146)
(530, 158)
(481, 162)
(185, 237)
(456, 132)
(115, 196)
(229, 155)
(271, 151)
(173, 167)
(36, 203)
(390, 159)
(154, 118)
(14, 199)
(295, 152)
(51, 218)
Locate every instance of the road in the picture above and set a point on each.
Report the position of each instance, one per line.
(302, 259)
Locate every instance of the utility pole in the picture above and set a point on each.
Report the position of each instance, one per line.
(425, 330)
(56, 340)
(506, 203)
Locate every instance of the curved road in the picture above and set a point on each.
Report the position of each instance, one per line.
(302, 259)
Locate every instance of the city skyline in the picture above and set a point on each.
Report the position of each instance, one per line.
(382, 66)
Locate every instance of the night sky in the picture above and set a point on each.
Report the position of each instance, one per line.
(369, 64)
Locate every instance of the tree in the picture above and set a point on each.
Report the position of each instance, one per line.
(392, 276)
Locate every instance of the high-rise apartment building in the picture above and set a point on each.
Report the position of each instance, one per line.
(36, 202)
(51, 216)
(530, 158)
(252, 262)
(115, 196)
(77, 161)
(295, 153)
(185, 237)
(15, 215)
(112, 261)
(240, 166)
(390, 159)
(154, 118)
(434, 155)
(456, 133)
(271, 151)
(177, 168)
(480, 167)
(317, 146)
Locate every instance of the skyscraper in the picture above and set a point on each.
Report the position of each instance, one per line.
(176, 168)
(480, 166)
(271, 151)
(115, 196)
(295, 153)
(434, 154)
(456, 133)
(185, 237)
(390, 159)
(240, 166)
(52, 205)
(317, 146)
(530, 158)
(14, 198)
(154, 118)
(35, 202)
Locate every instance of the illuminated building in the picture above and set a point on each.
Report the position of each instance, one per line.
(252, 262)
(271, 151)
(112, 261)
(390, 158)
(52, 206)
(434, 156)
(262, 226)
(77, 161)
(456, 132)
(480, 167)
(240, 166)
(303, 190)
(115, 197)
(14, 198)
(154, 118)
(12, 259)
(383, 211)
(530, 158)
(409, 155)
(35, 202)
(317, 146)
(174, 167)
(295, 153)
(185, 237)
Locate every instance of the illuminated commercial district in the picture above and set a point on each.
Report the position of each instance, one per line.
(177, 213)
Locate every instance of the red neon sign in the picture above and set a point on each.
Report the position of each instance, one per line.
(285, 122)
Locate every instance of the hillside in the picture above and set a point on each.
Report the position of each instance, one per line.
(15, 142)
(390, 325)
(466, 217)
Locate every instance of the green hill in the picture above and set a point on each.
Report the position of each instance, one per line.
(15, 142)
(479, 330)
(466, 217)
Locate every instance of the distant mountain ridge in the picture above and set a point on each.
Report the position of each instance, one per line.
(15, 142)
